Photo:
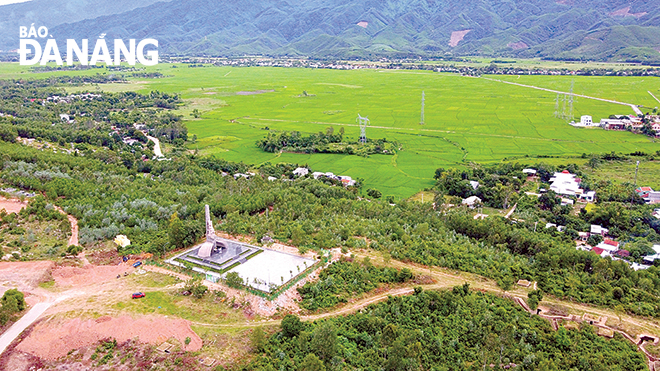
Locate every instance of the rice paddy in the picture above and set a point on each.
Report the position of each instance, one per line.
(467, 119)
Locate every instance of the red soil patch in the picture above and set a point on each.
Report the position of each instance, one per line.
(12, 206)
(50, 340)
(87, 275)
(24, 275)
(517, 46)
(625, 12)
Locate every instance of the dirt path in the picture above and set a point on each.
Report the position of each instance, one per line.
(633, 106)
(157, 150)
(73, 240)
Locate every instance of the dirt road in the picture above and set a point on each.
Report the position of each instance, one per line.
(73, 240)
(633, 106)
(157, 150)
(22, 324)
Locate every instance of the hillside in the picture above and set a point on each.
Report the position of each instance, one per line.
(51, 13)
(567, 29)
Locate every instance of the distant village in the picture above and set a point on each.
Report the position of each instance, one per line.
(301, 172)
(567, 187)
(648, 124)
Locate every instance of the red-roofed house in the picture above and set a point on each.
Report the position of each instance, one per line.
(598, 250)
(622, 253)
(608, 245)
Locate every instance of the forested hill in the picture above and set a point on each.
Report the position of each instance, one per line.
(566, 29)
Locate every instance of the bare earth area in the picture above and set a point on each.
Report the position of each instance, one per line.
(24, 276)
(12, 206)
(87, 275)
(457, 37)
(51, 340)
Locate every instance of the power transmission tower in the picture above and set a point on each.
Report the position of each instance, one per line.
(571, 99)
(362, 122)
(557, 114)
(423, 99)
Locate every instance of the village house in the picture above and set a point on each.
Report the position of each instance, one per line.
(597, 229)
(301, 171)
(650, 196)
(615, 124)
(609, 245)
(471, 201)
(650, 259)
(565, 184)
(588, 196)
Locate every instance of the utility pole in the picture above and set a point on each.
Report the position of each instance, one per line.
(423, 99)
(632, 197)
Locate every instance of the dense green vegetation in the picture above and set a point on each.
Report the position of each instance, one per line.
(327, 142)
(36, 232)
(450, 330)
(342, 279)
(12, 302)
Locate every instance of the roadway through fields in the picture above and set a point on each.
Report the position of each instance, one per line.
(654, 97)
(633, 106)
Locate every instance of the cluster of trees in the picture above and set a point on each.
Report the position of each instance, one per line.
(450, 330)
(499, 185)
(328, 142)
(12, 302)
(345, 278)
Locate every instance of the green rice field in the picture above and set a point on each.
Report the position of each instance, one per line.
(467, 119)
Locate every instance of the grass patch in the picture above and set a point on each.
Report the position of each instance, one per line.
(153, 280)
(47, 285)
(186, 307)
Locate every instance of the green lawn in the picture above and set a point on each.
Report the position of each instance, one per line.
(467, 119)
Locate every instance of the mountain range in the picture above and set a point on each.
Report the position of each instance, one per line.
(567, 29)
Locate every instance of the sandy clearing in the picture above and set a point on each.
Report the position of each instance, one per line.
(54, 339)
(88, 274)
(12, 205)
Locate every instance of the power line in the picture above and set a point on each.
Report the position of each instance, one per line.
(423, 99)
